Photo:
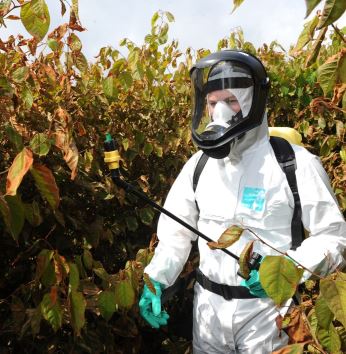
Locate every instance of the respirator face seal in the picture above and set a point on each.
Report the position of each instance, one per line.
(225, 99)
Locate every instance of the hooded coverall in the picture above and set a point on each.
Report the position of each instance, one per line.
(246, 188)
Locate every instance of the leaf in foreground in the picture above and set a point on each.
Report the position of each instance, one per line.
(279, 278)
(35, 18)
(17, 171)
(244, 259)
(228, 237)
(51, 311)
(106, 303)
(334, 293)
(124, 294)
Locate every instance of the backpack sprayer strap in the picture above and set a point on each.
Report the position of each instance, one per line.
(228, 292)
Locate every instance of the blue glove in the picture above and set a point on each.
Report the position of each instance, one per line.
(150, 306)
(254, 284)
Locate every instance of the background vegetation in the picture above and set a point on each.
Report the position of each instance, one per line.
(74, 245)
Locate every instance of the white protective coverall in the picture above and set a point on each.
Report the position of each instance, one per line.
(246, 188)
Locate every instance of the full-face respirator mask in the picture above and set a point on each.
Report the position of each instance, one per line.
(229, 96)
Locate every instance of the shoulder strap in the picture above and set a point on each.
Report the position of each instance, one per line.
(286, 158)
(198, 170)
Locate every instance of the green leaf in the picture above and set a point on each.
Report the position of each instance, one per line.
(49, 276)
(77, 309)
(146, 215)
(74, 277)
(35, 18)
(5, 212)
(131, 223)
(87, 259)
(169, 16)
(313, 53)
(125, 143)
(20, 166)
(74, 42)
(46, 184)
(107, 304)
(154, 19)
(148, 149)
(125, 79)
(334, 293)
(53, 44)
(279, 278)
(40, 144)
(332, 72)
(17, 215)
(43, 260)
(51, 311)
(333, 9)
(80, 61)
(306, 35)
(20, 74)
(109, 86)
(228, 237)
(310, 5)
(323, 313)
(33, 214)
(100, 271)
(14, 137)
(329, 339)
(5, 86)
(124, 294)
(343, 154)
(139, 137)
(27, 97)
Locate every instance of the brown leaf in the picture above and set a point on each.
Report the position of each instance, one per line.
(73, 24)
(12, 17)
(278, 321)
(50, 73)
(291, 349)
(69, 148)
(148, 283)
(228, 237)
(45, 182)
(59, 32)
(297, 328)
(20, 166)
(53, 294)
(244, 259)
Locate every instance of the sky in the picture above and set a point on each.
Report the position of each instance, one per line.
(198, 23)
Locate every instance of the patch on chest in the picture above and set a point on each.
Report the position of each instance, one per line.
(253, 198)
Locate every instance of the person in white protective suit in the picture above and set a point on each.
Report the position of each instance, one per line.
(241, 184)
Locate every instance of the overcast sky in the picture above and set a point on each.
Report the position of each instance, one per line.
(198, 23)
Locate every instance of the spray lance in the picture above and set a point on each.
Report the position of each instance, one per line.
(112, 158)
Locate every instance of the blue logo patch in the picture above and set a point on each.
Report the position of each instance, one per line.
(253, 198)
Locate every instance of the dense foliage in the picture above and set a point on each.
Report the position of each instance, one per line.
(74, 245)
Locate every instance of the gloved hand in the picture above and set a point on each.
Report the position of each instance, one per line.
(150, 306)
(254, 284)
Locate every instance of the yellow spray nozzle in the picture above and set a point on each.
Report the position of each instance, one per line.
(112, 159)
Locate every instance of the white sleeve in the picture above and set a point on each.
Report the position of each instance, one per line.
(322, 251)
(174, 244)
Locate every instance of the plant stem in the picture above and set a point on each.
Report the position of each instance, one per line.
(283, 253)
(339, 33)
